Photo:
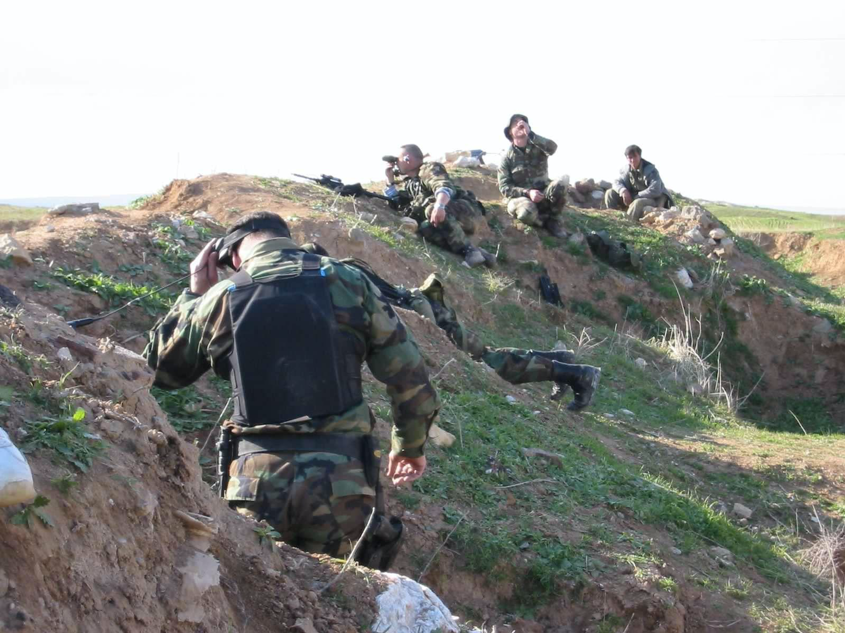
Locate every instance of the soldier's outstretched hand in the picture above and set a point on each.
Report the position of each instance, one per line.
(404, 469)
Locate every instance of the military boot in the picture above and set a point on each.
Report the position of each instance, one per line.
(554, 227)
(559, 389)
(474, 257)
(489, 258)
(584, 380)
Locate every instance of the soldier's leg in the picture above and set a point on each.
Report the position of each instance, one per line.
(332, 501)
(525, 211)
(260, 488)
(637, 208)
(556, 196)
(663, 201)
(612, 200)
(448, 234)
(465, 340)
(466, 213)
(518, 366)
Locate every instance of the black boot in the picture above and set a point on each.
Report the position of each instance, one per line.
(562, 356)
(584, 380)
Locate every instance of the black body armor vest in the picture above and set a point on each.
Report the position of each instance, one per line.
(289, 359)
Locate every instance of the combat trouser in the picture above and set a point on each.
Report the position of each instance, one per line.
(538, 214)
(451, 234)
(318, 501)
(635, 210)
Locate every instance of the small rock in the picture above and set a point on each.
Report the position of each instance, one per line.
(684, 278)
(742, 511)
(585, 186)
(718, 234)
(189, 232)
(670, 214)
(49, 228)
(75, 209)
(605, 185)
(64, 355)
(641, 363)
(408, 225)
(823, 326)
(202, 214)
(305, 625)
(439, 437)
(721, 552)
(610, 415)
(524, 545)
(695, 235)
(728, 246)
(112, 429)
(721, 508)
(577, 238)
(712, 242)
(511, 400)
(357, 235)
(627, 412)
(157, 437)
(675, 551)
(293, 603)
(11, 248)
(4, 584)
(597, 195)
(369, 218)
(743, 521)
(576, 195)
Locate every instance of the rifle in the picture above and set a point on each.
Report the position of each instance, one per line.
(354, 190)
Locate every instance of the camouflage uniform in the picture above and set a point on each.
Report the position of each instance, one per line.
(645, 186)
(462, 212)
(319, 502)
(510, 363)
(527, 168)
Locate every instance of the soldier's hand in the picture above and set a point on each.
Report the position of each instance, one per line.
(204, 270)
(389, 174)
(522, 129)
(404, 469)
(627, 198)
(438, 215)
(535, 195)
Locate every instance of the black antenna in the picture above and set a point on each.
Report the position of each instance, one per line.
(77, 323)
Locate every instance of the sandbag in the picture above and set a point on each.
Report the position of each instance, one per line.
(16, 484)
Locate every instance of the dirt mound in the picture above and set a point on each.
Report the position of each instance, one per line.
(820, 256)
(131, 538)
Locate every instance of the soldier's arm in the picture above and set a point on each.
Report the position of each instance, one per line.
(436, 178)
(654, 185)
(182, 344)
(395, 360)
(546, 144)
(621, 183)
(506, 184)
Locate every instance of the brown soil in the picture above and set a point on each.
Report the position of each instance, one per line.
(823, 258)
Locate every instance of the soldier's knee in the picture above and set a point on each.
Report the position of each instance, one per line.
(612, 199)
(524, 210)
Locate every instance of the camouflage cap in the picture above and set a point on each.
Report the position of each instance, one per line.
(514, 119)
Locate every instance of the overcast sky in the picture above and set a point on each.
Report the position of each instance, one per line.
(740, 101)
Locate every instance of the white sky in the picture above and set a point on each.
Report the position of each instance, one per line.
(740, 101)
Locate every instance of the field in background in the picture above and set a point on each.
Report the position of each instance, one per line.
(759, 220)
(19, 217)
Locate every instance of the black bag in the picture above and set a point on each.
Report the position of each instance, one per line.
(611, 251)
(550, 291)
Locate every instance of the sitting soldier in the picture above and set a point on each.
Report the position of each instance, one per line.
(639, 186)
(535, 199)
(446, 214)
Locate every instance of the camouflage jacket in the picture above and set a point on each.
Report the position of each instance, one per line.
(432, 178)
(526, 168)
(644, 182)
(196, 335)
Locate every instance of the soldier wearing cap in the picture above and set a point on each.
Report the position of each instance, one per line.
(638, 186)
(290, 330)
(534, 199)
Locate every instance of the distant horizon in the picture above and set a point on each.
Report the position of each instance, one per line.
(115, 200)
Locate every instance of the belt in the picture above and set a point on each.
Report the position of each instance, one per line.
(347, 444)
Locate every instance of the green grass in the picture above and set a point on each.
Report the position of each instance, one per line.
(20, 215)
(184, 409)
(113, 290)
(67, 436)
(757, 219)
